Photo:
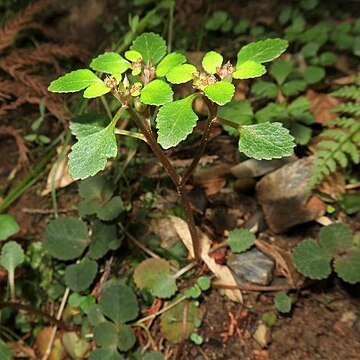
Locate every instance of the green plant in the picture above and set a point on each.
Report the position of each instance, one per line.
(341, 140)
(336, 247)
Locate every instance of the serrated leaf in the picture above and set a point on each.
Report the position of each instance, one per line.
(181, 74)
(105, 334)
(169, 62)
(103, 238)
(240, 240)
(87, 124)
(220, 93)
(248, 70)
(154, 274)
(90, 154)
(211, 61)
(280, 70)
(110, 63)
(335, 237)
(282, 302)
(265, 89)
(96, 90)
(262, 51)
(125, 338)
(12, 255)
(314, 74)
(239, 112)
(293, 87)
(311, 260)
(79, 277)
(157, 92)
(151, 46)
(8, 226)
(119, 303)
(348, 266)
(175, 121)
(66, 238)
(105, 354)
(74, 81)
(266, 141)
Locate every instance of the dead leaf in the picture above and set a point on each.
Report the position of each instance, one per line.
(212, 180)
(321, 105)
(42, 341)
(346, 80)
(59, 176)
(222, 273)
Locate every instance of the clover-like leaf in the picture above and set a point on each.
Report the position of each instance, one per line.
(169, 62)
(335, 237)
(95, 90)
(265, 89)
(90, 154)
(311, 260)
(151, 46)
(282, 302)
(240, 240)
(280, 70)
(293, 87)
(348, 266)
(204, 283)
(154, 274)
(105, 334)
(175, 121)
(220, 93)
(262, 51)
(111, 209)
(125, 337)
(87, 124)
(12, 255)
(8, 226)
(74, 81)
(314, 74)
(110, 63)
(181, 74)
(211, 61)
(266, 141)
(249, 69)
(157, 92)
(119, 303)
(105, 354)
(66, 238)
(78, 277)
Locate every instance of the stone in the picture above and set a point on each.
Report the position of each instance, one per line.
(283, 197)
(253, 266)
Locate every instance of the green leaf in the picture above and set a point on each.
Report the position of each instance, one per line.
(79, 277)
(105, 354)
(151, 46)
(248, 70)
(105, 334)
(348, 266)
(311, 260)
(66, 238)
(175, 121)
(119, 303)
(220, 93)
(169, 62)
(12, 255)
(75, 346)
(154, 274)
(193, 292)
(8, 226)
(240, 240)
(204, 283)
(310, 49)
(96, 90)
(282, 302)
(110, 63)
(87, 124)
(181, 74)
(293, 87)
(335, 237)
(153, 355)
(74, 81)
(196, 338)
(262, 51)
(314, 74)
(111, 209)
(216, 20)
(94, 315)
(104, 238)
(211, 61)
(265, 89)
(125, 338)
(239, 112)
(265, 141)
(301, 133)
(280, 70)
(133, 55)
(90, 154)
(5, 352)
(157, 92)
(272, 112)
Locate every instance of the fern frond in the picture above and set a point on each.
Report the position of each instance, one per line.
(348, 108)
(351, 92)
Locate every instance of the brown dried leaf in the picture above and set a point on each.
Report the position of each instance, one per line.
(321, 105)
(212, 180)
(42, 341)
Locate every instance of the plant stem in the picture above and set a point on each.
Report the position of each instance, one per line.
(11, 277)
(130, 133)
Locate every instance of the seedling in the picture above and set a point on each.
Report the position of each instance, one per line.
(142, 83)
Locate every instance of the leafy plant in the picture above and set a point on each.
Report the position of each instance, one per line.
(282, 302)
(337, 247)
(341, 140)
(150, 85)
(8, 226)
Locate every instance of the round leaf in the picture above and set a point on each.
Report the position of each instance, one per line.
(220, 93)
(169, 62)
(204, 283)
(153, 355)
(248, 70)
(348, 266)
(335, 237)
(12, 255)
(79, 277)
(151, 46)
(181, 74)
(241, 240)
(314, 74)
(211, 61)
(105, 354)
(282, 302)
(311, 260)
(8, 226)
(103, 235)
(125, 338)
(111, 209)
(66, 238)
(96, 90)
(110, 63)
(157, 92)
(105, 334)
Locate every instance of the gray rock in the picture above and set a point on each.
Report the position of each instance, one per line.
(284, 199)
(252, 265)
